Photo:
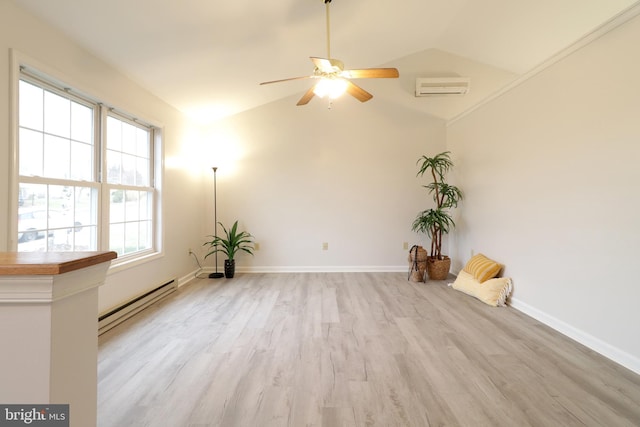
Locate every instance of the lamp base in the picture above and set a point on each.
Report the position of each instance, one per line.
(216, 275)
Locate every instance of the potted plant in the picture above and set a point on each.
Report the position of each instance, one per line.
(230, 244)
(437, 221)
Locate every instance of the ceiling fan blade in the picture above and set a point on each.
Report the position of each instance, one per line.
(371, 73)
(357, 92)
(286, 80)
(327, 65)
(307, 96)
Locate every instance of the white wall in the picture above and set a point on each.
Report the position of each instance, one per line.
(550, 170)
(296, 177)
(182, 196)
(301, 176)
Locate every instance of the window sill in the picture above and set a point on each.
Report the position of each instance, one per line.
(125, 264)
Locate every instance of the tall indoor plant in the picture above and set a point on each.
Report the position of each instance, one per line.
(437, 221)
(232, 242)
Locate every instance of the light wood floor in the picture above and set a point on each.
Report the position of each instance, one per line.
(353, 349)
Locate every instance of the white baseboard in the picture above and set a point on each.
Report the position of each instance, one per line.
(187, 278)
(128, 309)
(324, 269)
(607, 350)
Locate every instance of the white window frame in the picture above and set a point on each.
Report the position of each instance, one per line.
(43, 74)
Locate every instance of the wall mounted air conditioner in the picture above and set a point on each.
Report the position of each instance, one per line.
(432, 86)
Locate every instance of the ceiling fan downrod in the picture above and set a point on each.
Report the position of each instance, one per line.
(327, 3)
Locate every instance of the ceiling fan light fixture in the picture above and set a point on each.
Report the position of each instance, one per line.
(331, 87)
(334, 80)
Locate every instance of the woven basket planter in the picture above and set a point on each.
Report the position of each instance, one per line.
(438, 269)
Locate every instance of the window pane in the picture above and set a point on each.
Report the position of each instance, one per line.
(86, 207)
(32, 195)
(130, 237)
(32, 222)
(116, 207)
(81, 161)
(56, 157)
(145, 235)
(142, 143)
(30, 153)
(132, 209)
(57, 115)
(61, 202)
(30, 110)
(114, 134)
(39, 245)
(58, 241)
(129, 144)
(85, 238)
(129, 164)
(47, 122)
(64, 217)
(77, 238)
(81, 123)
(128, 170)
(32, 217)
(116, 238)
(145, 208)
(143, 172)
(114, 167)
(130, 221)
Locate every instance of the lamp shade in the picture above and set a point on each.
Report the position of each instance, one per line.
(332, 88)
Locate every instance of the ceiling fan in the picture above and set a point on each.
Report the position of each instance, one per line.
(333, 79)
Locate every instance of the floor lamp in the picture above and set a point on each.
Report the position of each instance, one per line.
(215, 275)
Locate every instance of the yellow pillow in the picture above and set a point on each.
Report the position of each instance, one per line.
(493, 292)
(482, 268)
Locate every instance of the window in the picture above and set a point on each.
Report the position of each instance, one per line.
(128, 166)
(85, 174)
(58, 192)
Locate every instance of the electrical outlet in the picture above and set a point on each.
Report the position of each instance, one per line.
(325, 246)
(256, 246)
(405, 245)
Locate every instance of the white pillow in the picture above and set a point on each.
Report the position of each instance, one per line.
(493, 291)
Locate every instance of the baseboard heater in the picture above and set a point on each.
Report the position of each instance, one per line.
(123, 312)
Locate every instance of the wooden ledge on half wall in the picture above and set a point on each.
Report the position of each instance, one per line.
(50, 263)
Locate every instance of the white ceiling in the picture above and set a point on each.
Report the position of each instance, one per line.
(208, 57)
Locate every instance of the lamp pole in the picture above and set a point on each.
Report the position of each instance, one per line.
(215, 275)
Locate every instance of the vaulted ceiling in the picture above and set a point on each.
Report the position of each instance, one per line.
(206, 58)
